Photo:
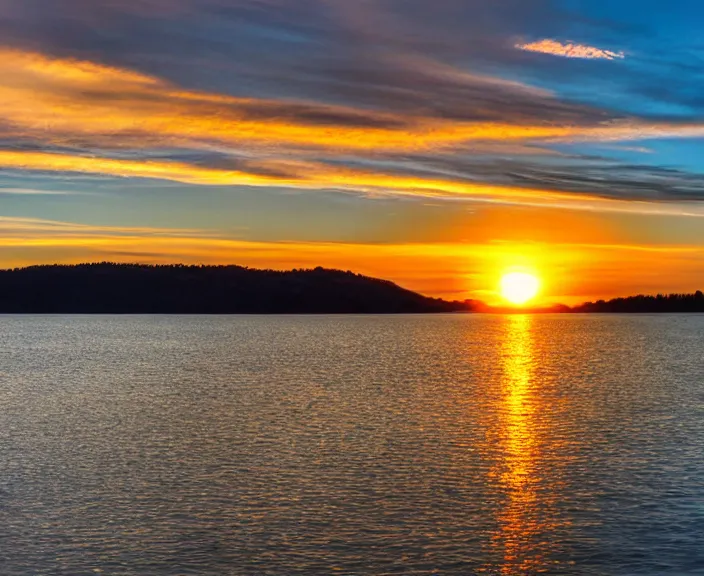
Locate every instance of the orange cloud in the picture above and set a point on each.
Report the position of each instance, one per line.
(315, 176)
(58, 102)
(570, 50)
(58, 99)
(310, 176)
(176, 171)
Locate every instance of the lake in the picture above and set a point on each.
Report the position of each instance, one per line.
(352, 445)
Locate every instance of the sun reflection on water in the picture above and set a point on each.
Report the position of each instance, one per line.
(519, 521)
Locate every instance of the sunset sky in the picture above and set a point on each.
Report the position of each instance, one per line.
(437, 144)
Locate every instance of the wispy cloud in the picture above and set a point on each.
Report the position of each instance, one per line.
(570, 50)
(525, 185)
(84, 117)
(16, 230)
(75, 102)
(39, 192)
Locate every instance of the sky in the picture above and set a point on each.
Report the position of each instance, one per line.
(436, 144)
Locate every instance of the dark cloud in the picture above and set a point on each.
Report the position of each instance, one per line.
(317, 49)
(592, 176)
(611, 180)
(409, 55)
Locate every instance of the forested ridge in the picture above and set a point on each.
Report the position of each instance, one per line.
(182, 289)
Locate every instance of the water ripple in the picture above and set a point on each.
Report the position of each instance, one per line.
(569, 445)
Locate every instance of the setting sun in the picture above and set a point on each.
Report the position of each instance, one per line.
(519, 287)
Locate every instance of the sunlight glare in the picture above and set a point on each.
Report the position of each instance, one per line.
(519, 287)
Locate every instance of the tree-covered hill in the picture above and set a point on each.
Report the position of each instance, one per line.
(181, 289)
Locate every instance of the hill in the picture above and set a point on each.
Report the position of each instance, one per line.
(179, 289)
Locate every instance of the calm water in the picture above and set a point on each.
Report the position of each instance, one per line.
(352, 445)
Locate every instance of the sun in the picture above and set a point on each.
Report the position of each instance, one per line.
(519, 287)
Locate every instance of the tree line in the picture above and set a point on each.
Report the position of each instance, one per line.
(672, 303)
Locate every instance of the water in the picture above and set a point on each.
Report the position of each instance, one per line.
(352, 445)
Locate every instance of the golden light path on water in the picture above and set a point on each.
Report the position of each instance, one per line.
(520, 521)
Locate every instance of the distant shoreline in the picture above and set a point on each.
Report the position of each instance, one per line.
(334, 314)
(137, 289)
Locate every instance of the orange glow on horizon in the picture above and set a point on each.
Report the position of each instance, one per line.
(572, 272)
